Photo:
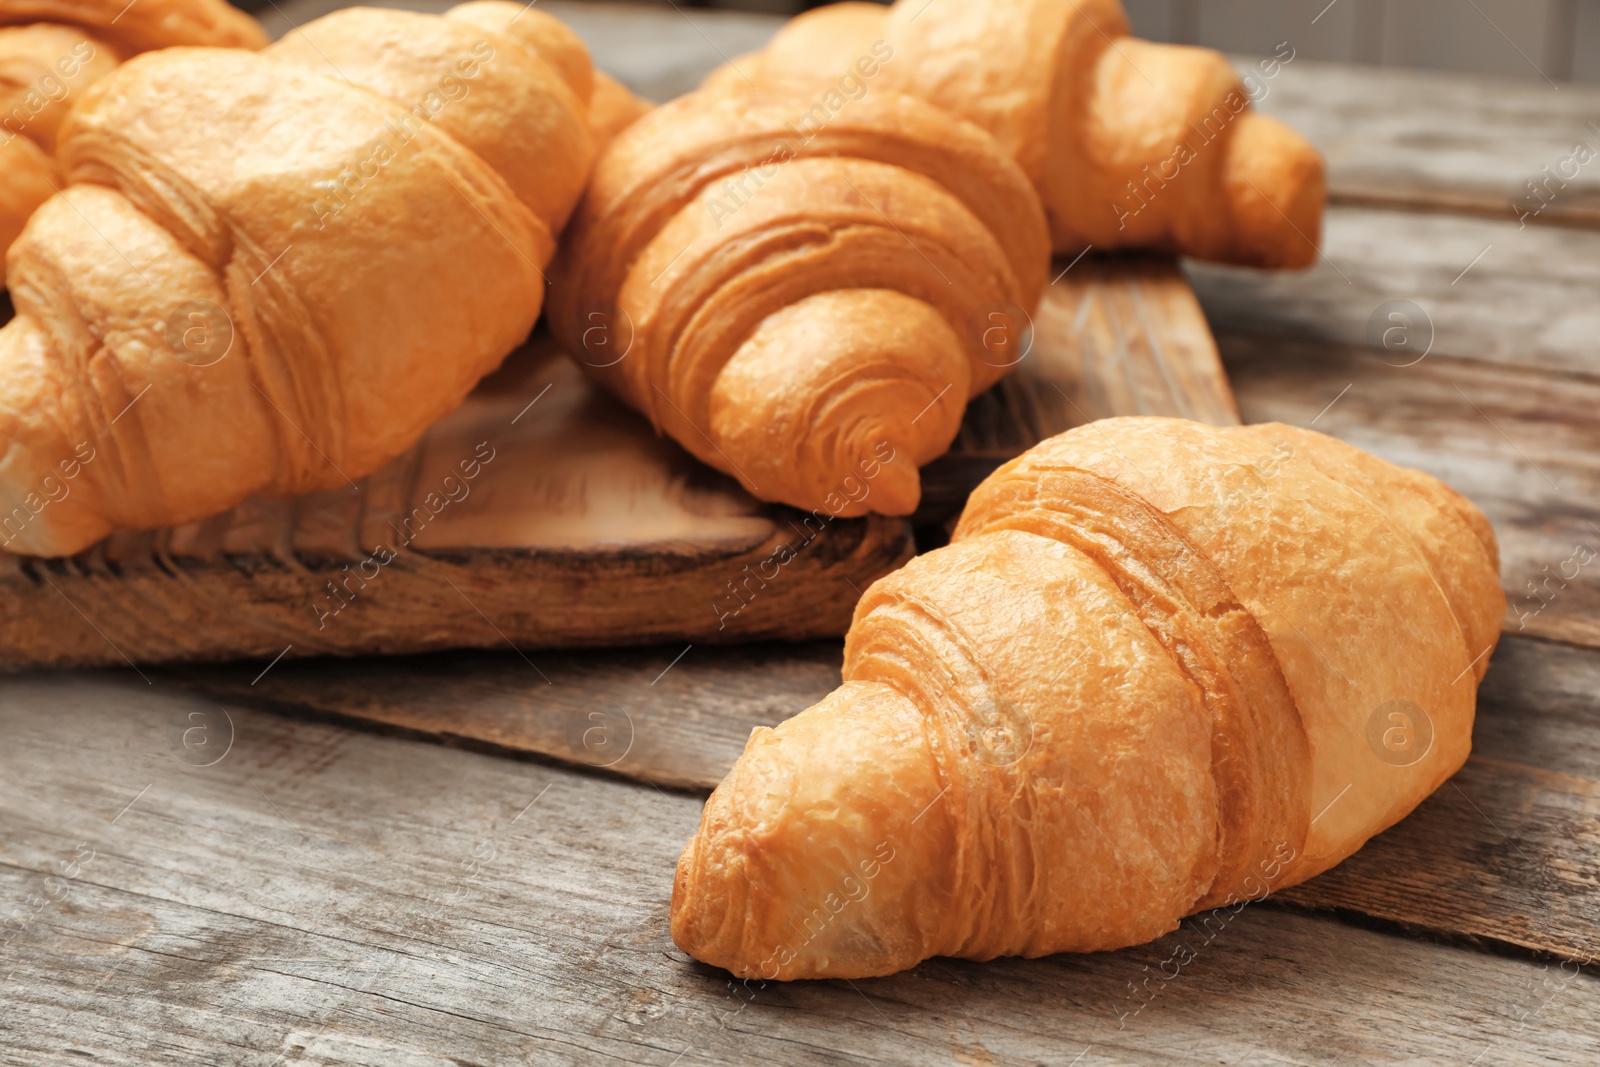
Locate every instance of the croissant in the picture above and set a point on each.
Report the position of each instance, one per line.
(1161, 668)
(53, 50)
(267, 281)
(806, 311)
(1131, 144)
(612, 108)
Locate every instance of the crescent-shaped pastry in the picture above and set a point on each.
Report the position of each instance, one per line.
(1160, 668)
(1131, 144)
(806, 310)
(271, 272)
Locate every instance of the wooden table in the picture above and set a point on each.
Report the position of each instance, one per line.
(226, 865)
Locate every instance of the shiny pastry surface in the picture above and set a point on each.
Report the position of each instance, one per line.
(807, 309)
(1131, 144)
(269, 273)
(1161, 668)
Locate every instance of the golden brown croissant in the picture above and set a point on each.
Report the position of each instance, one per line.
(1162, 667)
(808, 311)
(267, 281)
(1130, 143)
(612, 107)
(53, 50)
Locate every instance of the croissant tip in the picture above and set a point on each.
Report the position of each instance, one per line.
(898, 489)
(1277, 183)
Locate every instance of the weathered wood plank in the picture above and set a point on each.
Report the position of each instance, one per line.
(1417, 140)
(1116, 335)
(1522, 445)
(1487, 290)
(1534, 774)
(539, 514)
(1112, 335)
(325, 896)
(676, 716)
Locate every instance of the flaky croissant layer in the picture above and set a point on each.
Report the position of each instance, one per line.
(51, 51)
(1161, 667)
(272, 272)
(1131, 144)
(789, 300)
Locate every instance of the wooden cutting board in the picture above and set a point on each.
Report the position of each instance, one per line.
(580, 526)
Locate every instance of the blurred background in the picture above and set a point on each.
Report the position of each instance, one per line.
(1551, 40)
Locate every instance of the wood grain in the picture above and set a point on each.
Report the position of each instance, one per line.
(1113, 335)
(323, 896)
(580, 527)
(1119, 335)
(1421, 141)
(674, 716)
(1506, 852)
(1486, 290)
